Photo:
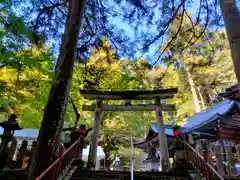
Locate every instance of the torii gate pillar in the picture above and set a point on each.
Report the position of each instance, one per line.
(165, 164)
(92, 157)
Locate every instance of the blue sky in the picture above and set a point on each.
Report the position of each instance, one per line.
(131, 32)
(152, 50)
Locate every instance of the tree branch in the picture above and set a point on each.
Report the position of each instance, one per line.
(204, 29)
(47, 8)
(165, 28)
(76, 112)
(172, 39)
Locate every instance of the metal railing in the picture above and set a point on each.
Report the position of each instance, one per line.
(59, 165)
(206, 170)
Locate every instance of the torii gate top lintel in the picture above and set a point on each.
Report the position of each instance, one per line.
(129, 95)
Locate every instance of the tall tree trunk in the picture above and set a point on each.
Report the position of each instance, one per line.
(59, 131)
(58, 96)
(193, 89)
(232, 23)
(201, 98)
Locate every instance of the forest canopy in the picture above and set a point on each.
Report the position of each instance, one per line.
(191, 53)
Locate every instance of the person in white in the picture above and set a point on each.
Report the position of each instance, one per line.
(117, 160)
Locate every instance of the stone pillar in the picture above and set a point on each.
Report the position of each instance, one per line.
(152, 164)
(97, 166)
(165, 164)
(96, 131)
(159, 155)
(231, 163)
(219, 160)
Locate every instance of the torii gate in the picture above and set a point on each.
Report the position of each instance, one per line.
(128, 96)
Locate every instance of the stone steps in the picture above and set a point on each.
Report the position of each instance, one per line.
(113, 175)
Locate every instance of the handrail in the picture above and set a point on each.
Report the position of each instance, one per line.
(58, 166)
(206, 170)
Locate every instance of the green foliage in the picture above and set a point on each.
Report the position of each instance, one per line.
(208, 61)
(28, 89)
(26, 67)
(18, 45)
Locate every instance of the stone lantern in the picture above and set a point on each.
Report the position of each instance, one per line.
(9, 127)
(117, 165)
(152, 164)
(152, 161)
(179, 161)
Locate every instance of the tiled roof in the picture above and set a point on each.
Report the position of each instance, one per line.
(168, 129)
(153, 138)
(30, 133)
(208, 115)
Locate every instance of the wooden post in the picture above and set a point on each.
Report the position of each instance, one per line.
(96, 131)
(219, 161)
(237, 146)
(238, 151)
(12, 150)
(198, 147)
(231, 163)
(206, 151)
(104, 165)
(165, 164)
